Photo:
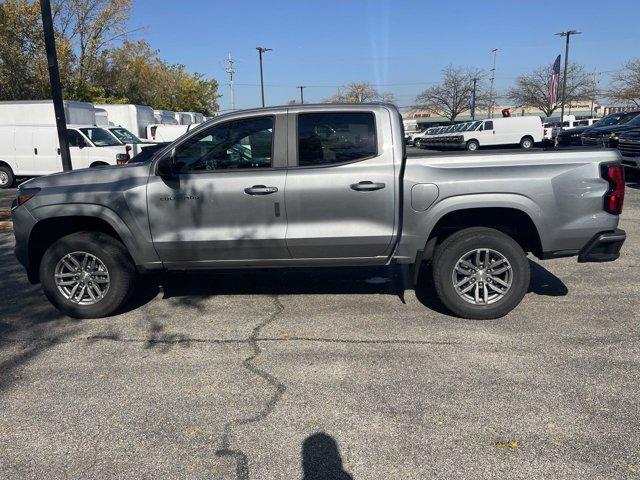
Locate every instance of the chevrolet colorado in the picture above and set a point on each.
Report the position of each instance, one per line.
(323, 185)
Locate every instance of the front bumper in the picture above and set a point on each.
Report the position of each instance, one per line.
(603, 247)
(23, 223)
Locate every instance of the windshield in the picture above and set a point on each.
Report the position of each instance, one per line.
(124, 135)
(634, 120)
(100, 137)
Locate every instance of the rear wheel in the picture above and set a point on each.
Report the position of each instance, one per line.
(98, 164)
(480, 273)
(6, 177)
(526, 143)
(473, 145)
(87, 274)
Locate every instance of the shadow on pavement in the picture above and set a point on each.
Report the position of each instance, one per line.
(321, 459)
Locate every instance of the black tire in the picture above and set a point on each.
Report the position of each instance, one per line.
(473, 145)
(460, 243)
(417, 143)
(7, 179)
(526, 143)
(110, 252)
(98, 164)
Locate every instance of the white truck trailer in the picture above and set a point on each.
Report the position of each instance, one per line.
(134, 118)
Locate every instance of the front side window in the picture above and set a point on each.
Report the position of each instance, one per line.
(74, 138)
(488, 125)
(234, 145)
(328, 138)
(100, 137)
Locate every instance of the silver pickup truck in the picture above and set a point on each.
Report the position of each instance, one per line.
(322, 185)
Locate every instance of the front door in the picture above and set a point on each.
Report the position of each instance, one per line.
(341, 190)
(224, 206)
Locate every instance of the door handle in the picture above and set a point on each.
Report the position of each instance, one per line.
(35, 151)
(260, 190)
(58, 151)
(367, 186)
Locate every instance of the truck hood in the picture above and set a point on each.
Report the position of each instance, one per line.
(597, 131)
(90, 176)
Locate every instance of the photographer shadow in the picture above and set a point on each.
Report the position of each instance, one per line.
(321, 459)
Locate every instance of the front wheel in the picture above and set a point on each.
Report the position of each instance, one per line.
(473, 145)
(480, 273)
(87, 274)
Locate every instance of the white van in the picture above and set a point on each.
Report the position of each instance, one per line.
(102, 118)
(33, 150)
(134, 118)
(523, 131)
(165, 117)
(41, 112)
(167, 133)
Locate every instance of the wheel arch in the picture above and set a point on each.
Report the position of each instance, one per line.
(54, 225)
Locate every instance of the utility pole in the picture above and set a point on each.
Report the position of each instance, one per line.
(473, 99)
(262, 50)
(301, 87)
(493, 78)
(230, 70)
(56, 87)
(566, 34)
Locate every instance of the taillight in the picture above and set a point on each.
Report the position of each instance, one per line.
(614, 198)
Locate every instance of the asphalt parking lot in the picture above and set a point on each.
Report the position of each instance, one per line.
(323, 375)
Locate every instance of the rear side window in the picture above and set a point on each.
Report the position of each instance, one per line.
(328, 138)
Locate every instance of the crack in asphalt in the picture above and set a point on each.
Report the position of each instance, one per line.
(241, 458)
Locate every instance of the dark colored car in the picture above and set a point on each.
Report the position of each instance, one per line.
(629, 147)
(607, 136)
(147, 152)
(573, 136)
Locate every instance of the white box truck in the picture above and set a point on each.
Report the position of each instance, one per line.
(102, 118)
(167, 133)
(41, 112)
(183, 118)
(165, 117)
(34, 150)
(134, 118)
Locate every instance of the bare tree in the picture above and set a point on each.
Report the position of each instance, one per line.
(625, 84)
(91, 26)
(452, 96)
(360, 92)
(532, 89)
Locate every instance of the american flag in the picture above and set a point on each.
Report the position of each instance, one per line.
(554, 81)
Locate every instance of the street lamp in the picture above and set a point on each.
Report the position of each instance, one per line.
(262, 50)
(301, 87)
(566, 34)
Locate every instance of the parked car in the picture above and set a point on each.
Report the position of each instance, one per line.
(134, 118)
(523, 131)
(629, 147)
(607, 135)
(325, 185)
(34, 150)
(167, 133)
(574, 136)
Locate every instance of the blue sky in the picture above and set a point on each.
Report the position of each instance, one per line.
(400, 46)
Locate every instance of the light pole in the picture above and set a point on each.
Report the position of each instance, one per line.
(473, 99)
(230, 70)
(566, 34)
(301, 87)
(493, 78)
(262, 50)
(56, 86)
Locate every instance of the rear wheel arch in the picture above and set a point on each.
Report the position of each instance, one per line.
(512, 221)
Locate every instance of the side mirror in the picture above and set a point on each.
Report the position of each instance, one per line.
(164, 167)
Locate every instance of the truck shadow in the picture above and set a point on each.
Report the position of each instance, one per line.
(189, 287)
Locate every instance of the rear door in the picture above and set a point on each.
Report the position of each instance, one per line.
(24, 150)
(340, 189)
(46, 157)
(225, 204)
